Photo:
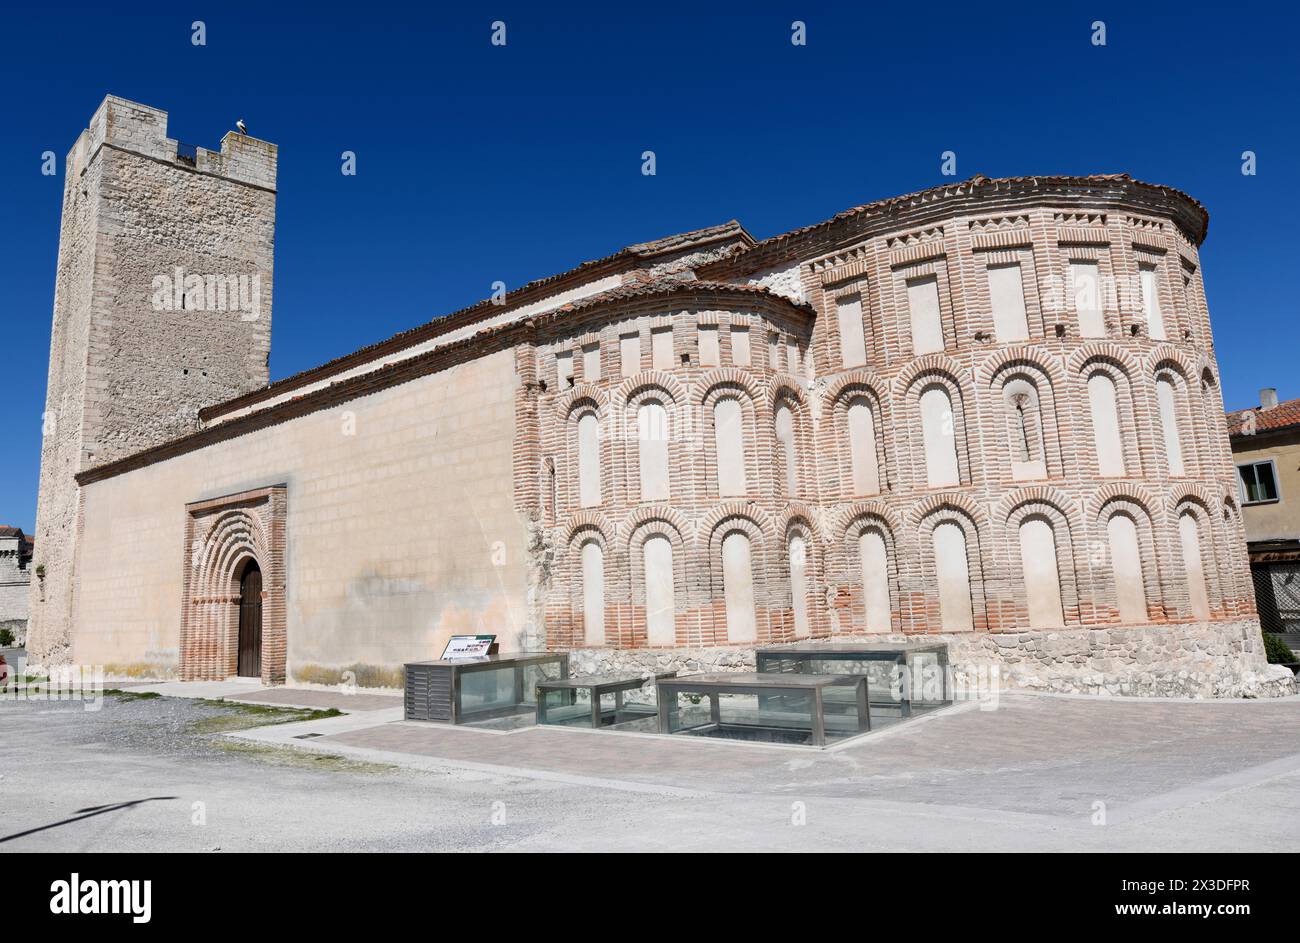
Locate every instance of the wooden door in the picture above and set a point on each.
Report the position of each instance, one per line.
(250, 622)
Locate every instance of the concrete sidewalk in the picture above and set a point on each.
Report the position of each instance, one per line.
(251, 691)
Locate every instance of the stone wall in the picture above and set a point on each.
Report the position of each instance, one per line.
(1197, 660)
(58, 501)
(13, 601)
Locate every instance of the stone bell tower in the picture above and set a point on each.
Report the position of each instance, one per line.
(162, 305)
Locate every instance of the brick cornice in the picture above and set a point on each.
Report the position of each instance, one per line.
(978, 195)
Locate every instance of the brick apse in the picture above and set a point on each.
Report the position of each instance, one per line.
(987, 412)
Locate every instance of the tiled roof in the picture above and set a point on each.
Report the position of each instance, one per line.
(664, 287)
(979, 180)
(776, 245)
(683, 240)
(627, 258)
(617, 262)
(1282, 416)
(6, 531)
(501, 337)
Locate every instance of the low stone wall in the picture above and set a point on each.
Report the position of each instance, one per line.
(1198, 659)
(1195, 659)
(591, 661)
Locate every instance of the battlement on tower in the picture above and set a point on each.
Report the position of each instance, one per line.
(141, 129)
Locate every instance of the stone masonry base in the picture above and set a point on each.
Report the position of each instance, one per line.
(1196, 659)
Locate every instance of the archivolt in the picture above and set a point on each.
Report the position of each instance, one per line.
(647, 514)
(785, 386)
(861, 377)
(939, 366)
(583, 394)
(1101, 350)
(726, 378)
(948, 499)
(650, 379)
(1021, 355)
(1126, 490)
(234, 535)
(588, 520)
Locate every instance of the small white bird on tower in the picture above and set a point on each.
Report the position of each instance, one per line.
(241, 127)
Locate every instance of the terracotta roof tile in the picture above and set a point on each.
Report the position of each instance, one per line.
(885, 207)
(684, 240)
(1282, 416)
(670, 286)
(501, 337)
(623, 258)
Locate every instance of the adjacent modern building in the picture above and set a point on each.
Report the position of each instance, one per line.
(987, 412)
(1266, 449)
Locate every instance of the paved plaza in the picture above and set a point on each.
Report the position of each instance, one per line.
(1037, 773)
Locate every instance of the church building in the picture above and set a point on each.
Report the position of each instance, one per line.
(987, 413)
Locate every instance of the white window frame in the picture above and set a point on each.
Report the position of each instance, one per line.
(1241, 485)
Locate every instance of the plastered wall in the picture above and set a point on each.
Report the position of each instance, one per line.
(400, 531)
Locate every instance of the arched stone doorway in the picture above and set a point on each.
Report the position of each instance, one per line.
(233, 606)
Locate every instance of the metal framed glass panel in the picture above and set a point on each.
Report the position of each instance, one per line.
(467, 689)
(597, 701)
(902, 678)
(801, 709)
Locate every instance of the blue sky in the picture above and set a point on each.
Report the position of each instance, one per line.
(478, 163)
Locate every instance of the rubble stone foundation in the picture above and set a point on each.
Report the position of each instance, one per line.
(1195, 659)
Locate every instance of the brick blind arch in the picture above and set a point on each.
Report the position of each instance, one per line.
(1148, 574)
(659, 609)
(1093, 372)
(798, 549)
(869, 545)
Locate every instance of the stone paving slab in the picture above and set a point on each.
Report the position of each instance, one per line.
(1035, 754)
(577, 751)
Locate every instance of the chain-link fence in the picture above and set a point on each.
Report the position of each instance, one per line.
(1277, 596)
